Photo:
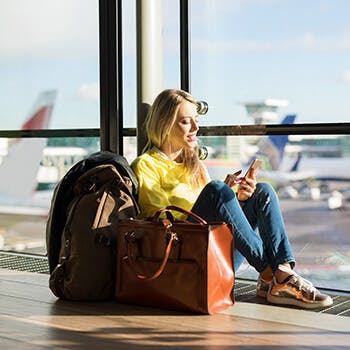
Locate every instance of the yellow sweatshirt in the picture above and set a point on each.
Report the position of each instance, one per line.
(162, 182)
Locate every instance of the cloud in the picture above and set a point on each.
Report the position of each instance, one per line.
(339, 42)
(346, 76)
(89, 91)
(66, 28)
(47, 28)
(307, 42)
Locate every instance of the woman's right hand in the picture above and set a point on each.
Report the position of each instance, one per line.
(247, 186)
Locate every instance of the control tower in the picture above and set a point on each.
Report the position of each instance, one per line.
(264, 112)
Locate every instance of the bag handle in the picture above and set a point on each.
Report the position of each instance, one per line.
(173, 236)
(170, 217)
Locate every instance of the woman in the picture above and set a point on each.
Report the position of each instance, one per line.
(170, 173)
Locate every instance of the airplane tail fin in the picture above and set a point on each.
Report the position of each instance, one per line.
(295, 166)
(40, 115)
(273, 147)
(19, 168)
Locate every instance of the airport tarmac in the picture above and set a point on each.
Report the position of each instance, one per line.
(23, 233)
(320, 239)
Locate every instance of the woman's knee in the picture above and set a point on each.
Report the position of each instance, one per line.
(265, 188)
(217, 188)
(211, 199)
(265, 191)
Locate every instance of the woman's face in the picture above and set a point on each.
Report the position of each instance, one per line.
(184, 132)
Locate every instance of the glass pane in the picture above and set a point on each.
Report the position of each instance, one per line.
(249, 52)
(313, 186)
(26, 190)
(49, 45)
(130, 148)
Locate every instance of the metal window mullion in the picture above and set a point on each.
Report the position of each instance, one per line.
(222, 130)
(185, 46)
(110, 75)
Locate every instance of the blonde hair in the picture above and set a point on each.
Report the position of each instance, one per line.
(161, 119)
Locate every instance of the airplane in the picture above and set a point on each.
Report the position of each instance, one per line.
(271, 150)
(289, 175)
(19, 168)
(312, 177)
(313, 172)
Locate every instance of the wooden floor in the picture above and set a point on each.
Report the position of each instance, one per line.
(32, 318)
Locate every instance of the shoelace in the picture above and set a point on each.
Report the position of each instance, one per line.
(300, 282)
(304, 284)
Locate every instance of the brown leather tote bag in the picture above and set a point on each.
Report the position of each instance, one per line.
(176, 265)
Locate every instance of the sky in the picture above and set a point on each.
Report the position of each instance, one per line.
(242, 51)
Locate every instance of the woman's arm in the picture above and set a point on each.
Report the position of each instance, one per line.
(151, 196)
(160, 185)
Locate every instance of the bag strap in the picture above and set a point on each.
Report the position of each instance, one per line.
(170, 217)
(131, 237)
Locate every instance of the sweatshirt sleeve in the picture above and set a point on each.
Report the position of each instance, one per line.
(151, 196)
(161, 184)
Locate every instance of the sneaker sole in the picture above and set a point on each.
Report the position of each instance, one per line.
(287, 301)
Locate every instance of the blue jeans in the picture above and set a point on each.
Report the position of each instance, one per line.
(261, 212)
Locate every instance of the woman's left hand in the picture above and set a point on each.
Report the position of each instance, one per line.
(233, 179)
(247, 186)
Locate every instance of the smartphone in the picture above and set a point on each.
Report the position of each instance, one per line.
(255, 164)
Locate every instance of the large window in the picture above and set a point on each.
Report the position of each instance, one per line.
(49, 68)
(249, 51)
(255, 62)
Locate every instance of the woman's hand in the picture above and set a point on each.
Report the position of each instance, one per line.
(247, 186)
(233, 179)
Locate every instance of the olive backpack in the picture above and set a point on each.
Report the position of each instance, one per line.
(82, 254)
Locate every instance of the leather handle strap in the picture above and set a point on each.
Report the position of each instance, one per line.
(162, 264)
(168, 209)
(167, 224)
